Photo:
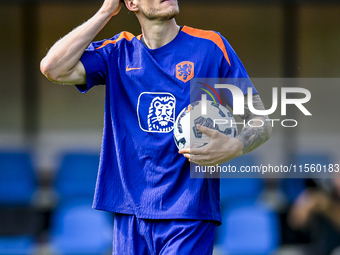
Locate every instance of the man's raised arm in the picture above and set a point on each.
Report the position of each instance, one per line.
(62, 64)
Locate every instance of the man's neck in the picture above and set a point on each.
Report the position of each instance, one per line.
(157, 34)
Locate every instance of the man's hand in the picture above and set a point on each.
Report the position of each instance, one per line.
(220, 149)
(112, 7)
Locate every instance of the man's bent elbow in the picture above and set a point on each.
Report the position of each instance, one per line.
(47, 70)
(58, 74)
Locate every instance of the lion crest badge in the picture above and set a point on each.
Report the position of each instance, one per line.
(185, 71)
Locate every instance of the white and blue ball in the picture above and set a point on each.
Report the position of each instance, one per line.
(217, 117)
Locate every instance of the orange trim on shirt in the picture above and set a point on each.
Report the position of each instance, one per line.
(139, 36)
(123, 35)
(210, 35)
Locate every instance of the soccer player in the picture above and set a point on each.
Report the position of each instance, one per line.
(142, 177)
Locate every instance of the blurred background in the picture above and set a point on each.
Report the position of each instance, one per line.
(50, 135)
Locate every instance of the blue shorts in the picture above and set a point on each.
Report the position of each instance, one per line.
(133, 236)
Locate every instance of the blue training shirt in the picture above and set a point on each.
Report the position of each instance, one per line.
(141, 171)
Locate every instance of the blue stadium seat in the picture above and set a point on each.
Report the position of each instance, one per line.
(77, 176)
(237, 192)
(77, 229)
(240, 189)
(252, 229)
(17, 245)
(18, 181)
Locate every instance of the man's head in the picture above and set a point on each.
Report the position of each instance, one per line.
(153, 9)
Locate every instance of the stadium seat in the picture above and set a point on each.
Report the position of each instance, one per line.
(77, 229)
(252, 229)
(237, 192)
(240, 189)
(19, 220)
(76, 178)
(17, 245)
(18, 181)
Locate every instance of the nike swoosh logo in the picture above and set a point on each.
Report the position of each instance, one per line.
(132, 68)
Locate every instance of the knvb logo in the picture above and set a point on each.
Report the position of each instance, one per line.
(185, 71)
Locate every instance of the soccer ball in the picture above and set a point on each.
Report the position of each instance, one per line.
(218, 117)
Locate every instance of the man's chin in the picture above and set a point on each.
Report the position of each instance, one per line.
(169, 17)
(164, 16)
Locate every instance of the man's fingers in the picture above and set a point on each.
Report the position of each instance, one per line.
(184, 151)
(193, 151)
(208, 131)
(112, 6)
(200, 159)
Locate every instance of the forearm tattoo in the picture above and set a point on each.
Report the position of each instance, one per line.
(253, 137)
